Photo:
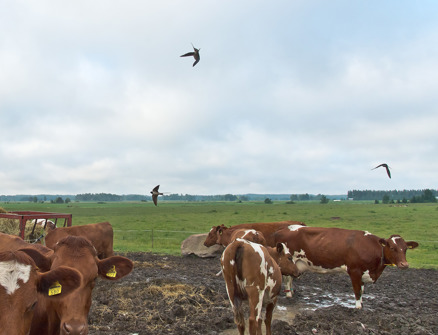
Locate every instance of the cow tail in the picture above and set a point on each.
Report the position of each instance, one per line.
(238, 258)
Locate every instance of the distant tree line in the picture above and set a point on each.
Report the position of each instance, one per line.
(34, 198)
(98, 197)
(308, 197)
(413, 196)
(426, 195)
(139, 197)
(189, 197)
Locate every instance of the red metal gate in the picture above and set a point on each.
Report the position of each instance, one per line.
(24, 216)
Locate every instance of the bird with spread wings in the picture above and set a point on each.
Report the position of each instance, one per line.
(155, 193)
(194, 53)
(386, 167)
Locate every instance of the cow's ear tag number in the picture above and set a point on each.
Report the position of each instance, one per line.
(112, 272)
(55, 289)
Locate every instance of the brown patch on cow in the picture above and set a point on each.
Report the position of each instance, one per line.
(19, 257)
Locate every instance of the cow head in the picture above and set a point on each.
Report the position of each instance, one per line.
(283, 258)
(21, 282)
(394, 251)
(214, 236)
(69, 315)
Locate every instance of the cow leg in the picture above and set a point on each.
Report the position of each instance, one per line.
(255, 300)
(356, 280)
(268, 319)
(287, 280)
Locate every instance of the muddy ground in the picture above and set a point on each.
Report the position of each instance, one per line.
(182, 295)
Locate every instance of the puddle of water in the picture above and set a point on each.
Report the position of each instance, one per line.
(321, 300)
(328, 300)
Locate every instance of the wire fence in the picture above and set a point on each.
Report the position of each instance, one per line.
(172, 239)
(152, 238)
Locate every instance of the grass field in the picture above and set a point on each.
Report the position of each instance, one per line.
(141, 226)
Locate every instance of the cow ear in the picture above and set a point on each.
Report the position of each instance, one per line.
(59, 282)
(412, 244)
(383, 242)
(279, 247)
(115, 267)
(40, 260)
(221, 229)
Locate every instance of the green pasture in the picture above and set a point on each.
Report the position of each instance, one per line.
(140, 226)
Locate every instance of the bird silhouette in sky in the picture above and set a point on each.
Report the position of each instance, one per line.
(386, 167)
(195, 54)
(155, 194)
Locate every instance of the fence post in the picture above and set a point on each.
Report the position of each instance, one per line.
(22, 226)
(152, 238)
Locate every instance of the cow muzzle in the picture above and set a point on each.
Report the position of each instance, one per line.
(74, 328)
(403, 265)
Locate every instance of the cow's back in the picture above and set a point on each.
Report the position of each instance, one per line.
(100, 235)
(13, 243)
(249, 235)
(268, 229)
(10, 242)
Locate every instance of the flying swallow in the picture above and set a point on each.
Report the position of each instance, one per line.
(155, 194)
(386, 167)
(195, 54)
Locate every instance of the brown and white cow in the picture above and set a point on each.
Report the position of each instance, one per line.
(222, 235)
(100, 234)
(361, 254)
(44, 223)
(253, 272)
(23, 279)
(69, 315)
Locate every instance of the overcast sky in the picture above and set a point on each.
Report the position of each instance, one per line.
(293, 96)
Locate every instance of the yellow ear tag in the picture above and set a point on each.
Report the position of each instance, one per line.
(112, 272)
(55, 288)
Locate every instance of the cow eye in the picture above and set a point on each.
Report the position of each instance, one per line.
(32, 307)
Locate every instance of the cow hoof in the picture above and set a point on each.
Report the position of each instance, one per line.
(289, 293)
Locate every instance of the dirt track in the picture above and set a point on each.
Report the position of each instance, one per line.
(182, 296)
